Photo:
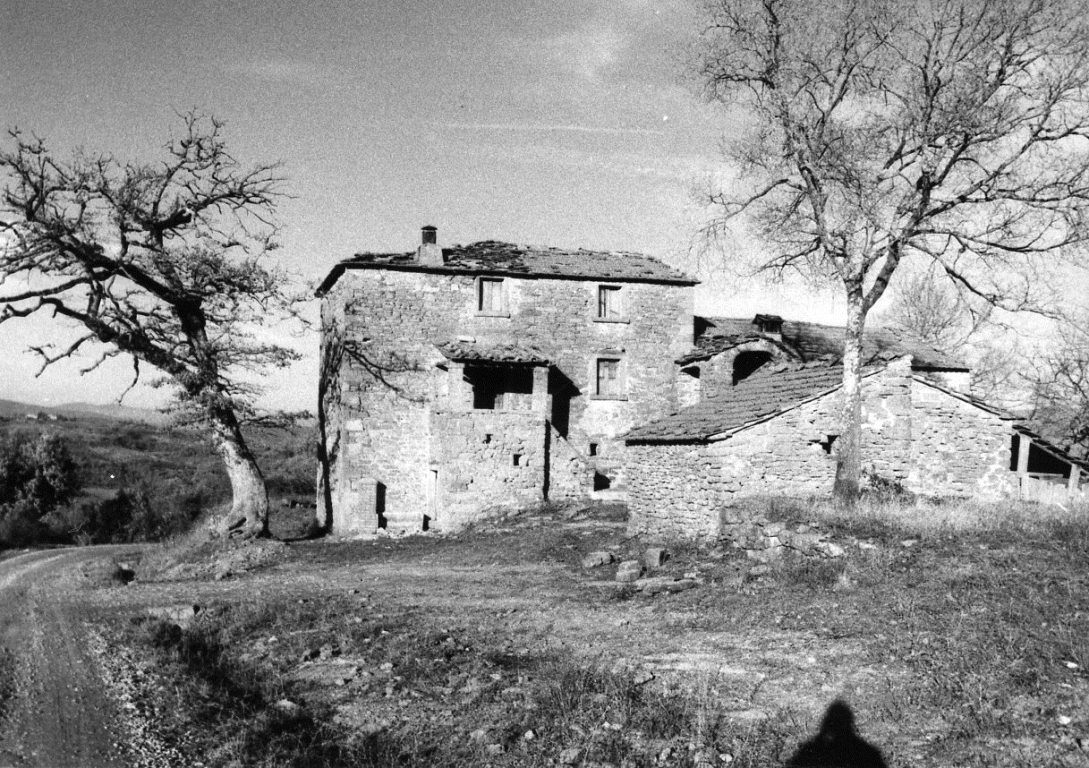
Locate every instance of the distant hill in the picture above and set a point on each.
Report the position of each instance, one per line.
(13, 409)
(115, 411)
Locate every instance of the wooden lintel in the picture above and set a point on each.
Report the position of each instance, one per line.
(1072, 483)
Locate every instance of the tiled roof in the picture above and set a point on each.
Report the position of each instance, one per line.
(815, 342)
(762, 394)
(490, 257)
(469, 351)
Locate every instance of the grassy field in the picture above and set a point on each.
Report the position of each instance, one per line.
(958, 635)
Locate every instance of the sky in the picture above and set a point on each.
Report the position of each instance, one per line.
(564, 123)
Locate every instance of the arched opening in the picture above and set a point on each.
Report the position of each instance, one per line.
(747, 363)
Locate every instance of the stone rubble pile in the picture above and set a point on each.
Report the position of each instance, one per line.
(764, 541)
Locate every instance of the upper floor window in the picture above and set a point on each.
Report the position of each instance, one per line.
(610, 305)
(610, 378)
(491, 296)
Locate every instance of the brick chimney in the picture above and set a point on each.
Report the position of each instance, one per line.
(429, 253)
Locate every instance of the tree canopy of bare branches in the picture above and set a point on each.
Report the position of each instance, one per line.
(953, 133)
(1061, 391)
(162, 262)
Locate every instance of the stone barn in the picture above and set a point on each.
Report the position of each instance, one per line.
(775, 432)
(459, 381)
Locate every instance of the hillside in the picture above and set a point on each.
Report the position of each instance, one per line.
(169, 466)
(13, 409)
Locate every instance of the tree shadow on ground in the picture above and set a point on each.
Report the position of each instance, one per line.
(837, 744)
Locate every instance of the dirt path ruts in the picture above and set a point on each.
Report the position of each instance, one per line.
(60, 714)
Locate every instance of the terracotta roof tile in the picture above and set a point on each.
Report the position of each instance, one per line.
(498, 258)
(815, 342)
(762, 394)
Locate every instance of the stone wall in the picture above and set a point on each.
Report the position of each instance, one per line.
(928, 440)
(393, 377)
(570, 474)
(959, 449)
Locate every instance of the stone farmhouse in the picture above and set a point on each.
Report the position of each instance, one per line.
(458, 382)
(462, 380)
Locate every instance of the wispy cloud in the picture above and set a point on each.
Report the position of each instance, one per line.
(535, 127)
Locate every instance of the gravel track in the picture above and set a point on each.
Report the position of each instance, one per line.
(62, 714)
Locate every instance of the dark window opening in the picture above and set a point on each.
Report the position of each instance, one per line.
(747, 363)
(593, 449)
(487, 439)
(380, 504)
(500, 387)
(601, 482)
(692, 370)
(427, 523)
(517, 459)
(1040, 463)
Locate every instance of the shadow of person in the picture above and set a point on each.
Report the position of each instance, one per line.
(837, 744)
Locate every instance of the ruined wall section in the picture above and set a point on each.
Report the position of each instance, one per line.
(487, 462)
(570, 474)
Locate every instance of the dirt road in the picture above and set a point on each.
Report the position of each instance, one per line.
(54, 709)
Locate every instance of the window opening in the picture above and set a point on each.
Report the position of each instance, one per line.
(517, 459)
(490, 296)
(601, 482)
(608, 377)
(500, 388)
(593, 449)
(380, 504)
(487, 439)
(608, 303)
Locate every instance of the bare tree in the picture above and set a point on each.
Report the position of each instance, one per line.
(161, 262)
(927, 309)
(951, 132)
(1061, 391)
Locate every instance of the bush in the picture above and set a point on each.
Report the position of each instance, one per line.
(37, 477)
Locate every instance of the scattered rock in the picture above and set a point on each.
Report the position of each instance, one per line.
(829, 549)
(909, 542)
(594, 559)
(643, 677)
(478, 735)
(759, 570)
(529, 735)
(182, 615)
(570, 756)
(628, 571)
(655, 584)
(653, 557)
(287, 706)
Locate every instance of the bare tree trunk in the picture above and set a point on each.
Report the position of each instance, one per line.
(249, 505)
(849, 463)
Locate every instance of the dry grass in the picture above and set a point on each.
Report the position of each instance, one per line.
(960, 637)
